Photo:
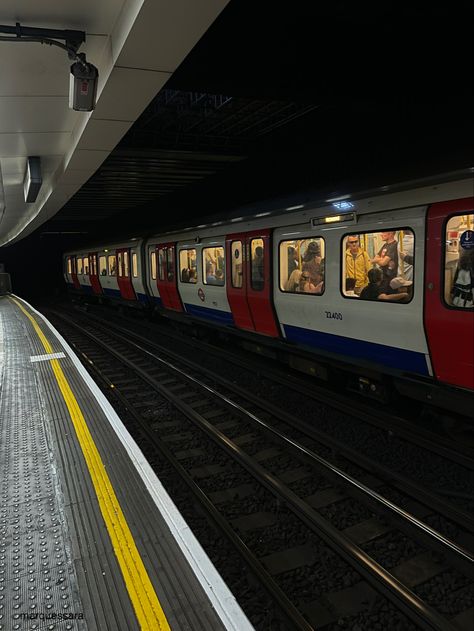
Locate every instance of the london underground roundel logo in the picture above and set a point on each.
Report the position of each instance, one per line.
(201, 294)
(467, 240)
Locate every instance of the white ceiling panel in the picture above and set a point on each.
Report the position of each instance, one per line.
(83, 159)
(34, 144)
(158, 23)
(87, 15)
(149, 37)
(103, 134)
(36, 114)
(42, 70)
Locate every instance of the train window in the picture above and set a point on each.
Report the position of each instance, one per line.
(126, 265)
(153, 264)
(162, 263)
(188, 266)
(112, 265)
(170, 264)
(134, 265)
(302, 266)
(93, 265)
(103, 265)
(86, 265)
(236, 250)
(120, 263)
(69, 265)
(257, 260)
(459, 262)
(79, 265)
(213, 266)
(378, 265)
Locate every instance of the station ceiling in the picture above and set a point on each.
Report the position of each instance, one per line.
(282, 99)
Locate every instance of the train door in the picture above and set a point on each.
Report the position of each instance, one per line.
(249, 282)
(94, 273)
(123, 274)
(166, 279)
(75, 279)
(449, 315)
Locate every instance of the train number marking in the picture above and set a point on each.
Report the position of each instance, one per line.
(333, 315)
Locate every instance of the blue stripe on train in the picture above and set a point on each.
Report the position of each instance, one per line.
(87, 289)
(216, 315)
(399, 358)
(114, 293)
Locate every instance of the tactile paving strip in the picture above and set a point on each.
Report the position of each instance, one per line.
(38, 585)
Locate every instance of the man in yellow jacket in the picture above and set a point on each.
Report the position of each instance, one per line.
(357, 263)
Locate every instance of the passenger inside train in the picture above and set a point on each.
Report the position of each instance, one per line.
(302, 266)
(213, 266)
(375, 289)
(459, 262)
(391, 252)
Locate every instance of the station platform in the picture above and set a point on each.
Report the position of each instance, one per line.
(89, 538)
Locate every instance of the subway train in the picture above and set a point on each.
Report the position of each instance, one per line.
(371, 292)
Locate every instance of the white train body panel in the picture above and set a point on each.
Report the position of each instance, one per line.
(201, 299)
(377, 331)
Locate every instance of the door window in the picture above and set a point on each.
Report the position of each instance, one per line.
(459, 262)
(134, 265)
(257, 260)
(103, 265)
(112, 265)
(237, 262)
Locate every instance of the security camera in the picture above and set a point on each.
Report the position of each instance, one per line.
(83, 85)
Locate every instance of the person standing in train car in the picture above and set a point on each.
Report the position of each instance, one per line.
(406, 256)
(357, 263)
(387, 259)
(312, 261)
(292, 260)
(257, 268)
(462, 292)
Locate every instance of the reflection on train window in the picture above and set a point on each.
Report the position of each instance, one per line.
(213, 266)
(102, 266)
(79, 265)
(153, 264)
(236, 253)
(86, 265)
(134, 265)
(112, 265)
(302, 266)
(459, 262)
(378, 265)
(170, 263)
(188, 266)
(162, 263)
(69, 265)
(257, 263)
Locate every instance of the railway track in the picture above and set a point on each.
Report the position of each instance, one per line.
(282, 500)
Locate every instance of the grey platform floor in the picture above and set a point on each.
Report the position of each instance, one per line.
(55, 552)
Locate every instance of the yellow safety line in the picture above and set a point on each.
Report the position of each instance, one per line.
(147, 607)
